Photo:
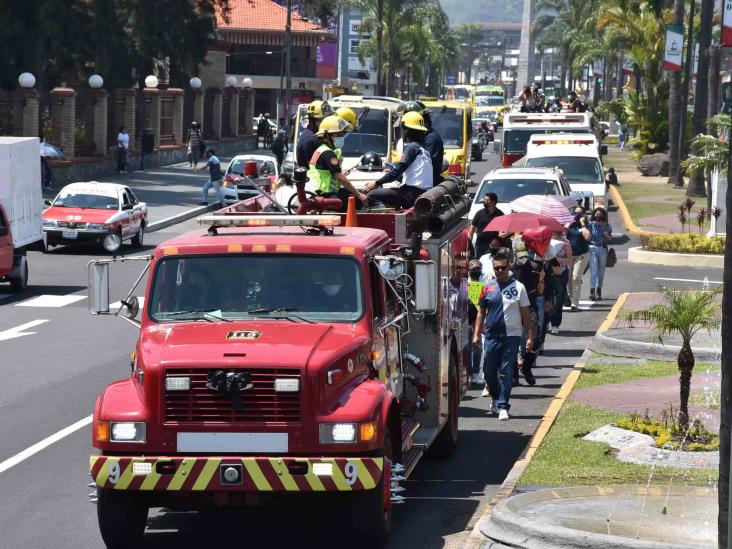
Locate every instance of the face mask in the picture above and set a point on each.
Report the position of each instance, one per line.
(487, 206)
(331, 289)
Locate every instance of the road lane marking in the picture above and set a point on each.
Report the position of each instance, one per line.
(686, 280)
(51, 301)
(18, 330)
(584, 305)
(43, 444)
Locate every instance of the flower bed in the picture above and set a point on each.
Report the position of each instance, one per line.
(670, 437)
(683, 243)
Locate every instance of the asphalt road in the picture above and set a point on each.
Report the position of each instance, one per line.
(54, 372)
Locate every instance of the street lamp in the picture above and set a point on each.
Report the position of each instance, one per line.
(151, 81)
(247, 82)
(195, 83)
(26, 80)
(96, 81)
(231, 81)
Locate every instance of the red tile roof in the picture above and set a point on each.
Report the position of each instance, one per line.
(262, 15)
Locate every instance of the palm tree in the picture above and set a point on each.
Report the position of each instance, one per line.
(469, 35)
(674, 106)
(685, 313)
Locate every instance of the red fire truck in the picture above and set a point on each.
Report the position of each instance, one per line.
(280, 354)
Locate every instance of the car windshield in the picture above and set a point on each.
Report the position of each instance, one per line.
(509, 190)
(315, 288)
(574, 168)
(488, 101)
(264, 167)
(358, 143)
(449, 124)
(91, 201)
(516, 140)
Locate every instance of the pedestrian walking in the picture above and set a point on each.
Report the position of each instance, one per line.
(579, 237)
(622, 135)
(195, 144)
(502, 314)
(123, 146)
(214, 178)
(475, 287)
(601, 233)
(263, 132)
(279, 148)
(563, 260)
(528, 269)
(480, 220)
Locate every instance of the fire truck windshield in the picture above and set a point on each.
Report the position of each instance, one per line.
(315, 288)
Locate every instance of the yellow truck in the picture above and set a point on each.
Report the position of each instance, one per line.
(452, 120)
(489, 103)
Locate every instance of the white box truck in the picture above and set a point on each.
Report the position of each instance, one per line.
(21, 204)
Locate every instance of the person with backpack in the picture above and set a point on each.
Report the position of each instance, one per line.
(195, 145)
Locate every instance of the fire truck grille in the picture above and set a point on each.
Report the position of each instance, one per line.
(261, 403)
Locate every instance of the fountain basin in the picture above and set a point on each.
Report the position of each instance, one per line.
(612, 517)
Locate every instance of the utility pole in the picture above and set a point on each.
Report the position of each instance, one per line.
(685, 94)
(725, 415)
(288, 62)
(674, 104)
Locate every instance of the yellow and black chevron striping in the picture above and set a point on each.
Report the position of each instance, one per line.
(259, 474)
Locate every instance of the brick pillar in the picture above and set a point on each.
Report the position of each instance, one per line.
(27, 102)
(100, 121)
(152, 97)
(216, 122)
(63, 114)
(128, 115)
(178, 99)
(198, 107)
(249, 111)
(233, 110)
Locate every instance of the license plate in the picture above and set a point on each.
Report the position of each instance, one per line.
(276, 443)
(70, 235)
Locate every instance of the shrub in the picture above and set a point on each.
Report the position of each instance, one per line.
(670, 437)
(683, 243)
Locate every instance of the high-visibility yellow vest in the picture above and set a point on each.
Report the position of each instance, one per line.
(324, 179)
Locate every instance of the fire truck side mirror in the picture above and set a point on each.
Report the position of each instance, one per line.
(98, 272)
(425, 287)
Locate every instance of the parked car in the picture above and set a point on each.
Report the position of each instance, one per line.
(105, 213)
(512, 183)
(237, 187)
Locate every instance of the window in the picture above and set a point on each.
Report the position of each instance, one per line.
(575, 168)
(449, 124)
(353, 46)
(91, 201)
(126, 199)
(511, 189)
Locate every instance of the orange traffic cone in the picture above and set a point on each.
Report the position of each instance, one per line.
(351, 219)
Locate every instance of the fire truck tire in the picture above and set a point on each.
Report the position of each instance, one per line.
(122, 517)
(371, 510)
(447, 440)
(139, 238)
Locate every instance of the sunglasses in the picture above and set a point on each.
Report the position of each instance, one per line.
(500, 267)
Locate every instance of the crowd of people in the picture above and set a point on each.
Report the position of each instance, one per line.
(523, 294)
(532, 99)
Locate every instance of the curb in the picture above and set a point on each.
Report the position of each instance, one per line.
(477, 538)
(180, 217)
(639, 255)
(630, 226)
(604, 344)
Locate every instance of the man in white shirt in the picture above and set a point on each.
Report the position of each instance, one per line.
(123, 145)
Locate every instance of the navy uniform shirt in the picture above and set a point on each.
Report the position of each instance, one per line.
(434, 146)
(306, 145)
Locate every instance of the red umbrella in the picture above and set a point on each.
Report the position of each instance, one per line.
(520, 221)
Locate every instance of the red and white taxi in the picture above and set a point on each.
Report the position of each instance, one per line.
(106, 213)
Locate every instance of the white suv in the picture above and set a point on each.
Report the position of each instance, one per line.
(512, 183)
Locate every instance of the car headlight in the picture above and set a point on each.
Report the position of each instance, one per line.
(50, 223)
(345, 433)
(127, 431)
(97, 226)
(230, 184)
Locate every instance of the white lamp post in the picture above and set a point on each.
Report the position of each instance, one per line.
(231, 81)
(26, 80)
(195, 83)
(151, 81)
(96, 81)
(247, 82)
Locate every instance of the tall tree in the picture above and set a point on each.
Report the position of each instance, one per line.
(469, 35)
(697, 185)
(675, 177)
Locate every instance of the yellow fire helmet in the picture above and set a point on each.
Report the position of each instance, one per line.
(348, 115)
(332, 125)
(414, 121)
(319, 109)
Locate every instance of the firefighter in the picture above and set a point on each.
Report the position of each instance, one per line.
(432, 140)
(325, 165)
(348, 115)
(414, 168)
(307, 141)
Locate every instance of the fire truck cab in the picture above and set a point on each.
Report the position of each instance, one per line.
(282, 354)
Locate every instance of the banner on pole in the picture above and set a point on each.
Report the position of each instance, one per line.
(674, 47)
(696, 58)
(726, 23)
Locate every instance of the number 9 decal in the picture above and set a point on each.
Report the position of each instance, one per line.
(351, 473)
(113, 469)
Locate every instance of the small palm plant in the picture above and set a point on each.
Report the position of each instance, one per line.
(685, 312)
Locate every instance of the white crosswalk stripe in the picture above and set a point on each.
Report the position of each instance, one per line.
(51, 301)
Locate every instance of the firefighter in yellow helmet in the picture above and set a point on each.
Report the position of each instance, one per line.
(325, 166)
(307, 141)
(414, 168)
(348, 115)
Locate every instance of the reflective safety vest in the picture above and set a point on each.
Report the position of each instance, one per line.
(324, 180)
(419, 173)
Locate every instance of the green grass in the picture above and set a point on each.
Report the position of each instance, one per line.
(564, 459)
(700, 399)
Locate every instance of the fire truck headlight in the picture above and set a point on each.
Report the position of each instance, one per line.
(287, 385)
(331, 433)
(127, 432)
(177, 383)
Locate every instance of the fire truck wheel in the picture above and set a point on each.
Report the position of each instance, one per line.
(122, 517)
(446, 441)
(371, 509)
